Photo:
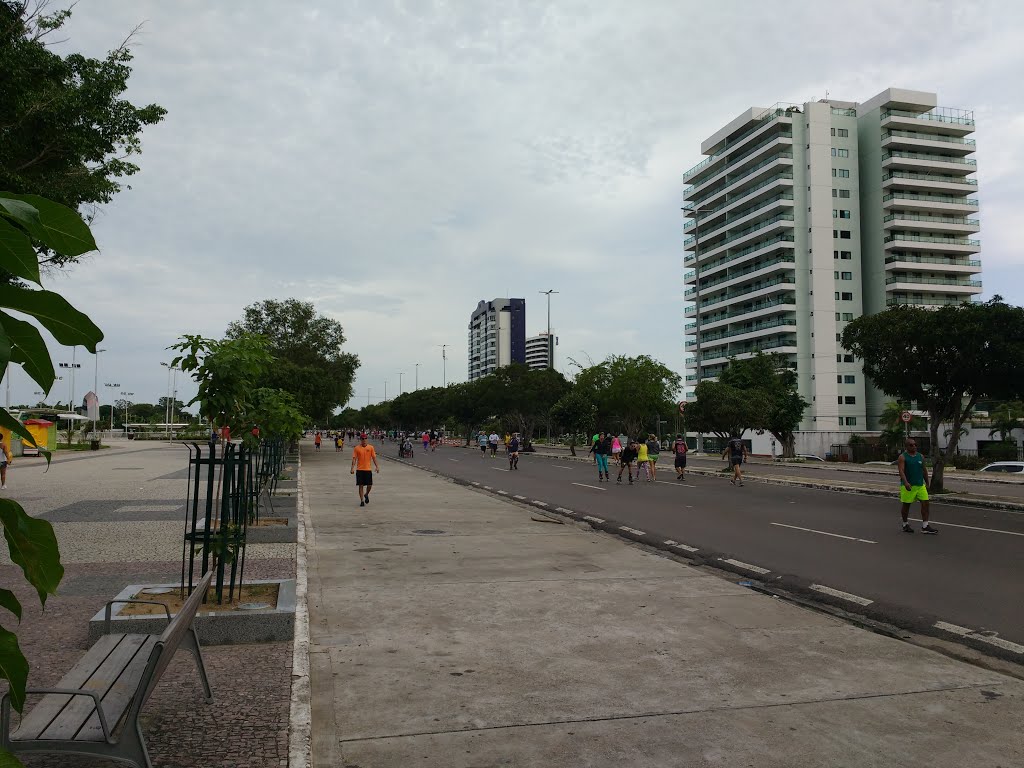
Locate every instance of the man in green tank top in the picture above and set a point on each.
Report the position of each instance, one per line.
(913, 486)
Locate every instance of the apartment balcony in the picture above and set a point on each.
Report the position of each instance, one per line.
(927, 183)
(779, 264)
(905, 242)
(913, 141)
(751, 235)
(780, 305)
(934, 285)
(926, 301)
(941, 120)
(758, 289)
(707, 220)
(742, 351)
(908, 261)
(916, 201)
(769, 328)
(757, 211)
(954, 225)
(737, 183)
(715, 169)
(777, 120)
(927, 162)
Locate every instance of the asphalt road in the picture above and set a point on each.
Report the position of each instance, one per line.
(998, 486)
(969, 576)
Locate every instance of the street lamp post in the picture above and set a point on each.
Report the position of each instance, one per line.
(73, 365)
(400, 375)
(127, 405)
(96, 385)
(168, 407)
(112, 386)
(551, 345)
(385, 390)
(444, 365)
(417, 377)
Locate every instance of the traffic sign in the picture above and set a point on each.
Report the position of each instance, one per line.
(906, 416)
(682, 407)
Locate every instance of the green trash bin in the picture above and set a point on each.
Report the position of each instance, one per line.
(94, 445)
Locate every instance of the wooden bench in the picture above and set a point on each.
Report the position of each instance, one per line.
(94, 710)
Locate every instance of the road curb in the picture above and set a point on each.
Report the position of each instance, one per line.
(300, 720)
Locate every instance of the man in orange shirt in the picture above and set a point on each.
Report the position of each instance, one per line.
(363, 456)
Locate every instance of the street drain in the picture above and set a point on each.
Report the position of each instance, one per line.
(428, 532)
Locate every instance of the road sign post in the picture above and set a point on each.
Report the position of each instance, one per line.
(906, 418)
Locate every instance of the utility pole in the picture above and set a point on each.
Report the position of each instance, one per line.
(551, 341)
(368, 391)
(113, 386)
(417, 377)
(96, 386)
(400, 375)
(167, 404)
(385, 390)
(444, 365)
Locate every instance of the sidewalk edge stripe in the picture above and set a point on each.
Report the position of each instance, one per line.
(841, 595)
(300, 716)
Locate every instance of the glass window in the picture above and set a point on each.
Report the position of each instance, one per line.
(844, 214)
(843, 133)
(847, 297)
(847, 316)
(844, 234)
(847, 358)
(851, 421)
(851, 400)
(839, 358)
(844, 193)
(837, 315)
(835, 255)
(846, 275)
(849, 379)
(836, 275)
(833, 131)
(840, 173)
(839, 379)
(835, 193)
(839, 399)
(845, 255)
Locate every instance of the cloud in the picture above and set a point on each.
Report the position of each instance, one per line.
(396, 162)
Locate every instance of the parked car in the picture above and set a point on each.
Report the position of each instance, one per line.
(809, 457)
(1004, 466)
(882, 463)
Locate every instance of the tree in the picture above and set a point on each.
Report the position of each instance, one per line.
(725, 410)
(780, 405)
(274, 414)
(575, 413)
(629, 391)
(943, 359)
(1006, 417)
(310, 362)
(31, 542)
(65, 132)
(227, 372)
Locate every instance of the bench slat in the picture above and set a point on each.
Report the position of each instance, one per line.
(132, 651)
(51, 705)
(119, 697)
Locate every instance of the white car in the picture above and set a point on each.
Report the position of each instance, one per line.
(809, 457)
(1004, 466)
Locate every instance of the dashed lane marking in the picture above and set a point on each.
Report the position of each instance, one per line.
(677, 545)
(499, 469)
(564, 511)
(503, 493)
(488, 488)
(593, 519)
(676, 483)
(539, 503)
(747, 566)
(956, 629)
(973, 528)
(475, 483)
(595, 487)
(634, 531)
(1006, 645)
(562, 466)
(825, 533)
(454, 459)
(520, 498)
(841, 595)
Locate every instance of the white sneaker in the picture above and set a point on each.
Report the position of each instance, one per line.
(3, 487)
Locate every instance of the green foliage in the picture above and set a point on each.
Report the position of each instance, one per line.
(629, 391)
(307, 347)
(1006, 417)
(31, 541)
(275, 414)
(65, 131)
(943, 359)
(781, 406)
(724, 410)
(227, 373)
(575, 413)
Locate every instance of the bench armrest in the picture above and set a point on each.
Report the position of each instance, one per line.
(5, 707)
(106, 611)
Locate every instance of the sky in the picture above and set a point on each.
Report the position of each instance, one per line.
(396, 162)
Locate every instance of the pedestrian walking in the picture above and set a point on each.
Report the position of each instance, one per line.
(616, 447)
(513, 451)
(913, 486)
(425, 437)
(626, 459)
(493, 442)
(737, 451)
(6, 459)
(601, 448)
(316, 441)
(679, 448)
(364, 460)
(642, 460)
(653, 449)
(482, 442)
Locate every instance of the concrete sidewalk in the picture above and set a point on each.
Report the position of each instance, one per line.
(449, 628)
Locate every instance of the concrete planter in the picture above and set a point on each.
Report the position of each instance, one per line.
(258, 625)
(272, 534)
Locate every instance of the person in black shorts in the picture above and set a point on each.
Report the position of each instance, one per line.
(679, 448)
(513, 451)
(737, 451)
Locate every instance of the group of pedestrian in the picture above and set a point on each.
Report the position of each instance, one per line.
(644, 453)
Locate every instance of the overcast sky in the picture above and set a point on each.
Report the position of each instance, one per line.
(396, 162)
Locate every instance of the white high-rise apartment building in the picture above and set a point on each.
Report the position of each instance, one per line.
(540, 351)
(804, 217)
(496, 336)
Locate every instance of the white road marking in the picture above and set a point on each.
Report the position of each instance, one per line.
(540, 503)
(595, 487)
(564, 511)
(677, 545)
(956, 629)
(676, 483)
(521, 498)
(747, 566)
(841, 595)
(488, 488)
(1000, 643)
(593, 519)
(826, 533)
(499, 469)
(561, 466)
(973, 528)
(634, 531)
(503, 493)
(475, 483)
(454, 459)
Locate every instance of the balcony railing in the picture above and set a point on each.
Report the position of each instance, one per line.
(932, 281)
(784, 238)
(730, 180)
(938, 179)
(782, 300)
(758, 206)
(926, 239)
(753, 329)
(931, 260)
(929, 157)
(744, 232)
(750, 289)
(757, 267)
(946, 199)
(749, 349)
(733, 160)
(939, 115)
(931, 219)
(893, 301)
(697, 217)
(928, 137)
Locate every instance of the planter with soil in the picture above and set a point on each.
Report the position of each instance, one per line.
(264, 612)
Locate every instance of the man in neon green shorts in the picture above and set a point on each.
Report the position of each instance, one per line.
(914, 486)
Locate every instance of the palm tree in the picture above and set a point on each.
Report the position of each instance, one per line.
(964, 431)
(1004, 421)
